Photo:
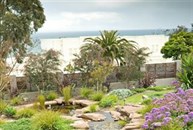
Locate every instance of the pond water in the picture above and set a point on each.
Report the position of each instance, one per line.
(66, 109)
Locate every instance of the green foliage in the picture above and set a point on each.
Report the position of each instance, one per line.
(121, 93)
(173, 125)
(147, 102)
(86, 92)
(112, 44)
(134, 58)
(186, 74)
(108, 101)
(97, 96)
(99, 74)
(138, 90)
(51, 96)
(41, 100)
(19, 20)
(25, 113)
(16, 101)
(49, 120)
(180, 43)
(93, 108)
(9, 111)
(122, 123)
(146, 109)
(21, 124)
(41, 70)
(3, 105)
(67, 93)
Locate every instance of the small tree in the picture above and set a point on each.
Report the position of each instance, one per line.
(99, 74)
(180, 43)
(41, 69)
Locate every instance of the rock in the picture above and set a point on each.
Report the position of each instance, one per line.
(80, 124)
(79, 112)
(59, 101)
(123, 112)
(140, 121)
(116, 115)
(73, 118)
(82, 102)
(145, 97)
(135, 116)
(93, 116)
(132, 126)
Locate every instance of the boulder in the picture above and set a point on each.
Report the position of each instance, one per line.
(82, 102)
(80, 124)
(92, 116)
(116, 115)
(132, 126)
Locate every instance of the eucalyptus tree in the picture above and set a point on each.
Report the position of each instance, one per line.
(18, 20)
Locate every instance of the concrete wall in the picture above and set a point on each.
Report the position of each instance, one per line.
(164, 82)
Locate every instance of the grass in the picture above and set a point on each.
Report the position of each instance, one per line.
(153, 93)
(21, 124)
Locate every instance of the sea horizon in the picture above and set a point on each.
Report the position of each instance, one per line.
(72, 34)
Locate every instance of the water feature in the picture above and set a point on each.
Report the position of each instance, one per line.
(107, 124)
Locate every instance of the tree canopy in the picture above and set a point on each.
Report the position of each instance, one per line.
(113, 45)
(18, 20)
(180, 43)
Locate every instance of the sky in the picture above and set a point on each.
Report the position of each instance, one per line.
(91, 15)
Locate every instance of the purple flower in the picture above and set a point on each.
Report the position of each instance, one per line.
(145, 126)
(190, 115)
(166, 120)
(181, 91)
(167, 114)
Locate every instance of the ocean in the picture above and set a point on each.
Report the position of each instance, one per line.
(55, 35)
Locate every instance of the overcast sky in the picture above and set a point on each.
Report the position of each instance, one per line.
(87, 15)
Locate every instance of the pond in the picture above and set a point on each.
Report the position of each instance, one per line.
(65, 109)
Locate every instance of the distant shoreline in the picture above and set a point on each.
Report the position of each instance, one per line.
(56, 35)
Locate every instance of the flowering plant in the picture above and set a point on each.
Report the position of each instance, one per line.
(174, 106)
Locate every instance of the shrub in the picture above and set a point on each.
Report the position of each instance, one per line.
(97, 96)
(147, 102)
(16, 101)
(93, 108)
(121, 93)
(138, 90)
(10, 111)
(67, 93)
(21, 124)
(3, 105)
(25, 113)
(173, 107)
(108, 101)
(122, 123)
(186, 74)
(49, 120)
(158, 88)
(146, 109)
(148, 80)
(40, 70)
(51, 96)
(85, 92)
(41, 100)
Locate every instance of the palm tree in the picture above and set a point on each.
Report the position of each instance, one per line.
(114, 46)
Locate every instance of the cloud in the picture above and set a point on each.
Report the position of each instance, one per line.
(67, 21)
